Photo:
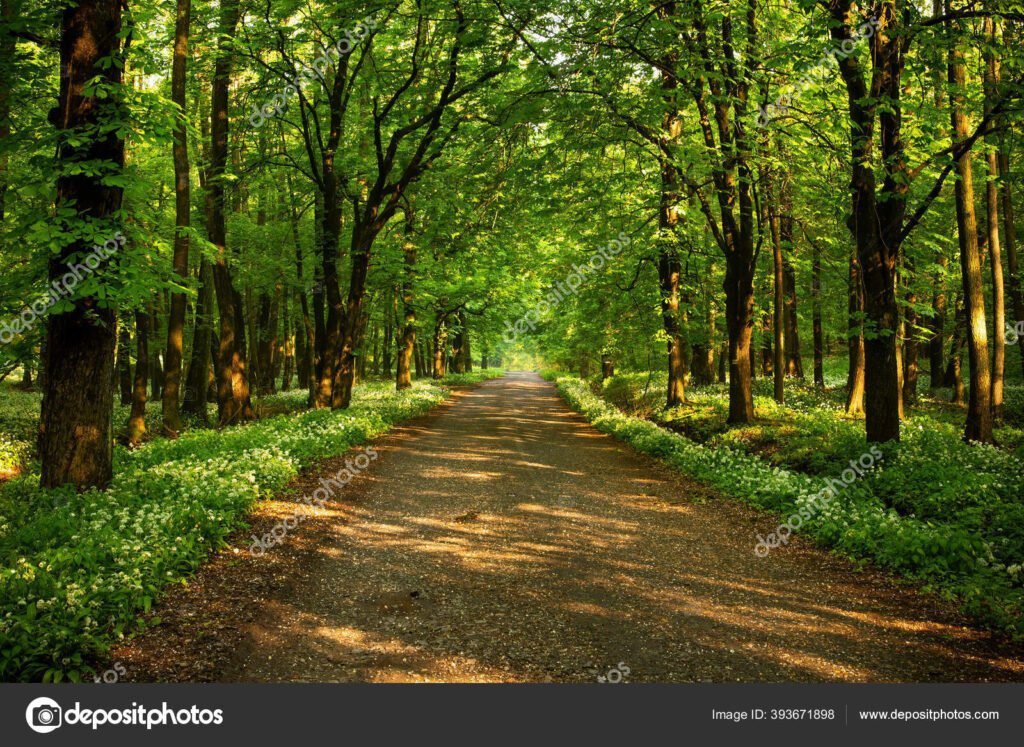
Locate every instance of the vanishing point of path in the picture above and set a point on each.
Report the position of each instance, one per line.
(505, 539)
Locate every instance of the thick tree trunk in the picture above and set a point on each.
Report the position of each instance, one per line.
(182, 222)
(979, 407)
(739, 312)
(876, 218)
(233, 403)
(75, 425)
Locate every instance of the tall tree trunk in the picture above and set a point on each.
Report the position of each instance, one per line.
(75, 425)
(407, 338)
(7, 47)
(876, 218)
(778, 318)
(817, 332)
(979, 406)
(855, 373)
(794, 361)
(233, 403)
(992, 224)
(669, 267)
(182, 222)
(137, 418)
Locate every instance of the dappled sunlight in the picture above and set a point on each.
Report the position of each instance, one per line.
(605, 551)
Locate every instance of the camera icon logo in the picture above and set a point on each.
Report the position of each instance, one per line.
(43, 715)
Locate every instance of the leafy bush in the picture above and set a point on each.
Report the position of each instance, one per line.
(933, 508)
(76, 569)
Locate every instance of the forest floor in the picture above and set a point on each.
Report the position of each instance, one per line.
(503, 539)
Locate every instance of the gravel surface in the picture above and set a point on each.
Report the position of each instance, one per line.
(503, 539)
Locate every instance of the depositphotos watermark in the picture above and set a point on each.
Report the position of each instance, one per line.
(317, 498)
(818, 502)
(780, 106)
(62, 287)
(276, 105)
(44, 715)
(563, 289)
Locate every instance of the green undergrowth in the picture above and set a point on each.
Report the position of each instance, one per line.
(77, 570)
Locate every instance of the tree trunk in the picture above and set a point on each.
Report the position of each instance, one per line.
(7, 48)
(233, 403)
(156, 369)
(992, 225)
(818, 334)
(137, 418)
(439, 344)
(182, 222)
(124, 364)
(607, 366)
(75, 425)
(855, 373)
(407, 338)
(778, 318)
(739, 311)
(197, 380)
(287, 347)
(794, 361)
(979, 407)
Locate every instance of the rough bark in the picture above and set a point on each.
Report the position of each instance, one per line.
(182, 222)
(233, 403)
(75, 425)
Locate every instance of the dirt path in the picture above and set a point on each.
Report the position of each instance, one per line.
(507, 540)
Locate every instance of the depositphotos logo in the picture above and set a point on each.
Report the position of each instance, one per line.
(45, 715)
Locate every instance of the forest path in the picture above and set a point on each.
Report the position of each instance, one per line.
(505, 539)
